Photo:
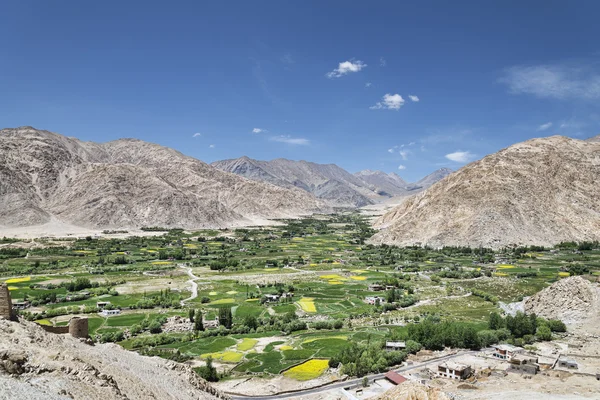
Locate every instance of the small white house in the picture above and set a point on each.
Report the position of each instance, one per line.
(107, 313)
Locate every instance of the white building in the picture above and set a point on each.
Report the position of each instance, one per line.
(107, 313)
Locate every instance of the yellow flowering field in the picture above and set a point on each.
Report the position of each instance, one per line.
(18, 280)
(308, 370)
(246, 344)
(564, 274)
(502, 274)
(212, 293)
(358, 278)
(161, 262)
(286, 347)
(341, 337)
(506, 266)
(225, 356)
(232, 292)
(307, 304)
(359, 271)
(223, 301)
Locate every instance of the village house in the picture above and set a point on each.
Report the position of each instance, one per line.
(210, 324)
(102, 304)
(395, 378)
(567, 363)
(287, 295)
(374, 300)
(506, 351)
(374, 287)
(524, 363)
(271, 298)
(107, 313)
(395, 346)
(452, 370)
(20, 305)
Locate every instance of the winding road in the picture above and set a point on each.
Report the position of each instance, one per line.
(351, 382)
(193, 279)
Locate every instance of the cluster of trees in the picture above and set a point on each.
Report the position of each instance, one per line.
(435, 335)
(288, 323)
(484, 295)
(459, 273)
(223, 263)
(164, 299)
(361, 359)
(225, 317)
(577, 269)
(152, 326)
(524, 328)
(581, 246)
(337, 324)
(208, 371)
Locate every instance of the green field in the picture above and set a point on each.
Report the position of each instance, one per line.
(319, 269)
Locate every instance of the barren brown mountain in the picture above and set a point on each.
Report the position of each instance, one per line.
(542, 191)
(45, 176)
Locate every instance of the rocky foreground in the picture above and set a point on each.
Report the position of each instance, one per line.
(35, 364)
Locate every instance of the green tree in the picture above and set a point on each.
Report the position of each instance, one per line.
(191, 313)
(198, 323)
(495, 321)
(544, 333)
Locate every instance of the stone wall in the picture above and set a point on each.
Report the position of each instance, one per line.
(6, 310)
(55, 329)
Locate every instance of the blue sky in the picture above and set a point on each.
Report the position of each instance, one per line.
(329, 82)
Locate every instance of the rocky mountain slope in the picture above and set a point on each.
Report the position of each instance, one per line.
(35, 364)
(128, 183)
(571, 300)
(542, 191)
(328, 182)
(385, 184)
(594, 139)
(432, 178)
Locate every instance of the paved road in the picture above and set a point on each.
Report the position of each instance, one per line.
(192, 280)
(351, 382)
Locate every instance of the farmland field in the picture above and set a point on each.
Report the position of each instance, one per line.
(284, 299)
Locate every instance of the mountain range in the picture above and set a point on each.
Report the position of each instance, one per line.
(538, 192)
(45, 176)
(328, 182)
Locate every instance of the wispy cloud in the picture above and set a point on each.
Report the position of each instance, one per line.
(211, 146)
(196, 134)
(389, 102)
(545, 126)
(460, 156)
(452, 135)
(554, 81)
(345, 68)
(404, 154)
(401, 167)
(258, 130)
(368, 84)
(290, 140)
(287, 59)
(413, 98)
(382, 62)
(391, 150)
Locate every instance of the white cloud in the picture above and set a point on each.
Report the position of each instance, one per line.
(212, 146)
(401, 167)
(368, 84)
(404, 154)
(382, 62)
(553, 81)
(413, 98)
(545, 126)
(389, 102)
(411, 143)
(460, 156)
(287, 59)
(390, 150)
(345, 68)
(258, 130)
(196, 134)
(290, 140)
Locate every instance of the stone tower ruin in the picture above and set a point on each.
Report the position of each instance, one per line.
(78, 327)
(6, 310)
